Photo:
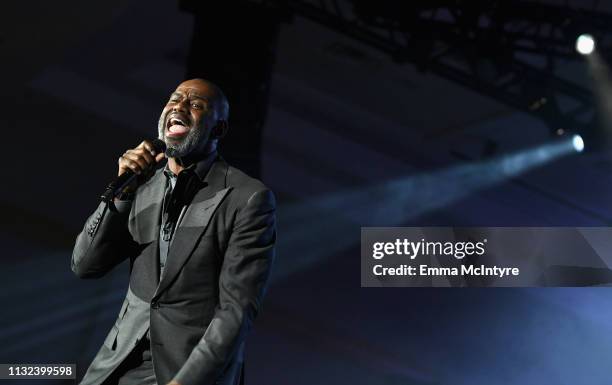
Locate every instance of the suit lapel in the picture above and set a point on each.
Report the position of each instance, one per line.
(193, 222)
(147, 212)
(145, 225)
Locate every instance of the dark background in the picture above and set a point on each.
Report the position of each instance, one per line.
(318, 113)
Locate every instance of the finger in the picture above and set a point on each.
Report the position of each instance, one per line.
(141, 161)
(131, 165)
(132, 162)
(159, 157)
(149, 147)
(122, 166)
(145, 154)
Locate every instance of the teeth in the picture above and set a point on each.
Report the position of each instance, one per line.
(177, 121)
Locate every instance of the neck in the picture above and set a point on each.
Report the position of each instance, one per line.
(176, 165)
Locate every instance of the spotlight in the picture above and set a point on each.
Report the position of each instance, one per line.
(578, 143)
(398, 201)
(585, 44)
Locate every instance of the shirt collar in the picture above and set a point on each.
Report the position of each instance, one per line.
(200, 167)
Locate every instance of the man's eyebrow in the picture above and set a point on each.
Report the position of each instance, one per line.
(191, 95)
(206, 99)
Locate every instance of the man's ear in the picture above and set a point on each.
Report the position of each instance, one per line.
(220, 129)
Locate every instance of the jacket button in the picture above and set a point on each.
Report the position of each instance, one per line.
(154, 305)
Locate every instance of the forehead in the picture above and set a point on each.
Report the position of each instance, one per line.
(196, 88)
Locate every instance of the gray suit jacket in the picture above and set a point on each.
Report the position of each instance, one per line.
(213, 283)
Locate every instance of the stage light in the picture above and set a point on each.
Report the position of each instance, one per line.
(578, 143)
(398, 201)
(585, 44)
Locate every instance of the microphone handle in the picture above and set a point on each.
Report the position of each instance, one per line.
(116, 187)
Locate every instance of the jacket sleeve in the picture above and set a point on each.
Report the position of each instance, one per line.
(104, 242)
(242, 283)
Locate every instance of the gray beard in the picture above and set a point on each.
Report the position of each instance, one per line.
(185, 146)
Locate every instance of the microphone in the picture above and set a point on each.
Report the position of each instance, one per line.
(116, 187)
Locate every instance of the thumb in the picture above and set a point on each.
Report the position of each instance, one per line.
(159, 157)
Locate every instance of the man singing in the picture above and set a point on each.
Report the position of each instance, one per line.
(199, 236)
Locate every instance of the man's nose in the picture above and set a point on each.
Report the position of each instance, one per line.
(180, 106)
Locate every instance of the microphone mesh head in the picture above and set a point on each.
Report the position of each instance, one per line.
(159, 145)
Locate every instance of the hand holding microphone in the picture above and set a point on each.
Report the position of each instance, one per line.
(135, 167)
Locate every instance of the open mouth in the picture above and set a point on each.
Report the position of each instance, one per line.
(177, 126)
